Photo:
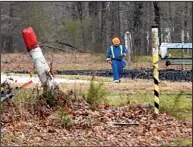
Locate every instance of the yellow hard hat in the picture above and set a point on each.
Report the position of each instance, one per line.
(116, 41)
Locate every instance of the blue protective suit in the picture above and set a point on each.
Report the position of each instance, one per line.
(118, 62)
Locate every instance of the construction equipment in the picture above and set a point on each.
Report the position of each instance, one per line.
(164, 53)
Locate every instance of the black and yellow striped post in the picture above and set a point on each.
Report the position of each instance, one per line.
(155, 54)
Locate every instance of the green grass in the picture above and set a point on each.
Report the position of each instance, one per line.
(179, 104)
(9, 138)
(28, 95)
(185, 142)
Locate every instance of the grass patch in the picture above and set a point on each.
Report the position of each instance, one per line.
(185, 142)
(9, 138)
(179, 105)
(27, 95)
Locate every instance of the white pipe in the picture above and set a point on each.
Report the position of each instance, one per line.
(38, 59)
(42, 68)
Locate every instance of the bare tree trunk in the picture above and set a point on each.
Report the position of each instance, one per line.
(185, 21)
(94, 8)
(148, 28)
(171, 22)
(137, 25)
(115, 18)
(9, 38)
(80, 15)
(157, 18)
(103, 39)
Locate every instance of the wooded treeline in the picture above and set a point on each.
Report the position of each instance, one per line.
(91, 25)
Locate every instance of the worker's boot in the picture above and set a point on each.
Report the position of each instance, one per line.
(116, 81)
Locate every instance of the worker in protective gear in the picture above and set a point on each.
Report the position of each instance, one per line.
(115, 56)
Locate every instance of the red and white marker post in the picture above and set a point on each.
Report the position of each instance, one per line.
(42, 68)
